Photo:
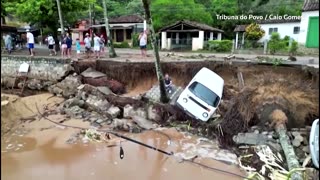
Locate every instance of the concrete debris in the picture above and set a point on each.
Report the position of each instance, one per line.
(105, 90)
(143, 123)
(126, 125)
(67, 88)
(250, 138)
(153, 115)
(75, 111)
(73, 102)
(97, 104)
(85, 89)
(129, 111)
(114, 111)
(92, 73)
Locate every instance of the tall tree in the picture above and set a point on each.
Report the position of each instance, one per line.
(163, 94)
(60, 17)
(112, 52)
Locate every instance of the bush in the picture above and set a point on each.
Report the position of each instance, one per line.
(276, 44)
(293, 50)
(254, 32)
(220, 46)
(121, 45)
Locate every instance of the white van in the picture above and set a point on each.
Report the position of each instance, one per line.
(202, 96)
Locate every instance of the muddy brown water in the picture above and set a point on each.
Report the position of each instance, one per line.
(38, 150)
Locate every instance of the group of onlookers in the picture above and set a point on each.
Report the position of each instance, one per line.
(66, 45)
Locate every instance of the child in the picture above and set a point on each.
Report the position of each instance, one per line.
(78, 47)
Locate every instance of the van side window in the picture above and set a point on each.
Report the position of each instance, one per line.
(204, 94)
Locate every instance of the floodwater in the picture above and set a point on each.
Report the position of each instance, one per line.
(38, 150)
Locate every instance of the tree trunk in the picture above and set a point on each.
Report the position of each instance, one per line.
(112, 52)
(279, 118)
(60, 17)
(163, 94)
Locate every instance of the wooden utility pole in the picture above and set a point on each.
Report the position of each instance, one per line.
(60, 16)
(163, 93)
(112, 52)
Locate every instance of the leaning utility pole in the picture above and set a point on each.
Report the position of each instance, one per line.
(163, 93)
(112, 52)
(60, 17)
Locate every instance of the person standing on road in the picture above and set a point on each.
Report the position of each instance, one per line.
(143, 43)
(87, 45)
(30, 40)
(8, 43)
(78, 48)
(102, 42)
(96, 45)
(63, 46)
(51, 44)
(69, 45)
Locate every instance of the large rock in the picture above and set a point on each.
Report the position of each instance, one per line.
(97, 104)
(115, 86)
(85, 90)
(114, 111)
(68, 87)
(129, 112)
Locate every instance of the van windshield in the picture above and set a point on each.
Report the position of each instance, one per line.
(204, 94)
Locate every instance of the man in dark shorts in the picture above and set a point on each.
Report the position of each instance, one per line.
(51, 44)
(87, 45)
(143, 43)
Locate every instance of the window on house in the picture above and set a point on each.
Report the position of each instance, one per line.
(296, 30)
(272, 30)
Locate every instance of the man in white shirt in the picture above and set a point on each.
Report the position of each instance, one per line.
(30, 40)
(143, 42)
(87, 45)
(51, 44)
(97, 46)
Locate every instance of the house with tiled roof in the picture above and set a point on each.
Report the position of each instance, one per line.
(122, 27)
(188, 35)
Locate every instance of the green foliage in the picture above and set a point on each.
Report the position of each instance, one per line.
(293, 50)
(121, 45)
(220, 46)
(254, 32)
(166, 12)
(277, 61)
(276, 44)
(45, 12)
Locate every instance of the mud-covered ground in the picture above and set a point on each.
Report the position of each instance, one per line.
(34, 148)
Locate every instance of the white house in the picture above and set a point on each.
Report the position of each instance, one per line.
(289, 28)
(304, 30)
(188, 35)
(309, 32)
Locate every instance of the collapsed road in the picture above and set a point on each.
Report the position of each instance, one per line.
(121, 101)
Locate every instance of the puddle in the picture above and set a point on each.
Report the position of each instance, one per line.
(39, 150)
(49, 157)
